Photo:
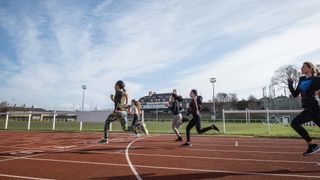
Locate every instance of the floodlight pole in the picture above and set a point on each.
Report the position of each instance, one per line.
(213, 80)
(84, 87)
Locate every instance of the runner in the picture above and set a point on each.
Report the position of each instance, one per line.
(120, 100)
(307, 87)
(194, 109)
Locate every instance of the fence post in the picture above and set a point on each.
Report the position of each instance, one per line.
(249, 116)
(81, 126)
(268, 120)
(54, 121)
(224, 121)
(157, 114)
(29, 120)
(246, 115)
(142, 116)
(7, 120)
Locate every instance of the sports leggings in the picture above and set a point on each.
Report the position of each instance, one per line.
(122, 116)
(196, 121)
(305, 116)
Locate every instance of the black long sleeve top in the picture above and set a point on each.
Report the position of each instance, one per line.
(307, 88)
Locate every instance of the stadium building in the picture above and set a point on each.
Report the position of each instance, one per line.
(157, 102)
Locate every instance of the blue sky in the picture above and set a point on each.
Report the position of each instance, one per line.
(48, 49)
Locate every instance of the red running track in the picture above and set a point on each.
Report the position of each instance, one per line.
(47, 155)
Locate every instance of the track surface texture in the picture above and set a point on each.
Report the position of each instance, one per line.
(60, 155)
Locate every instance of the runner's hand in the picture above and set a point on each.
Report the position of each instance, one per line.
(290, 80)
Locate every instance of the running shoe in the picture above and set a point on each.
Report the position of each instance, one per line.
(215, 128)
(104, 141)
(312, 149)
(187, 144)
(137, 136)
(179, 138)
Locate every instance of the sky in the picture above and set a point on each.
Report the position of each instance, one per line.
(48, 49)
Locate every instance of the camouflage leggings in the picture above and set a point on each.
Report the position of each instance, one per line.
(122, 116)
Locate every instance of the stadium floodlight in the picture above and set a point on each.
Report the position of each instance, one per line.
(213, 80)
(84, 87)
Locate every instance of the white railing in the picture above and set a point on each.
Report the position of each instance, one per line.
(54, 115)
(29, 114)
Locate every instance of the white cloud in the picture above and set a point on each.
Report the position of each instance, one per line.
(65, 45)
(246, 70)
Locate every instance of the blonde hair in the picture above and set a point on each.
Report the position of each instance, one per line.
(137, 104)
(311, 66)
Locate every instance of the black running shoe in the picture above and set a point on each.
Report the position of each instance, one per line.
(312, 149)
(215, 128)
(179, 139)
(104, 141)
(185, 120)
(187, 144)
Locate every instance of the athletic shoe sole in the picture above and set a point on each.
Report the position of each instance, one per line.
(313, 152)
(186, 145)
(106, 142)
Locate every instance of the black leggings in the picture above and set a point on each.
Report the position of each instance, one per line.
(135, 120)
(196, 121)
(135, 123)
(305, 116)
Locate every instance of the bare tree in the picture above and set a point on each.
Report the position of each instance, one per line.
(222, 97)
(233, 99)
(4, 104)
(281, 75)
(253, 102)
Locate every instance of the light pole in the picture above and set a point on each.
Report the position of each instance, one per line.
(84, 87)
(213, 80)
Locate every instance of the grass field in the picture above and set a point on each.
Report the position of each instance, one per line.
(253, 129)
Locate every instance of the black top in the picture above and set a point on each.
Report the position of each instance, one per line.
(307, 88)
(175, 107)
(193, 108)
(118, 104)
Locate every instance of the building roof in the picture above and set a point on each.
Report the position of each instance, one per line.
(8, 109)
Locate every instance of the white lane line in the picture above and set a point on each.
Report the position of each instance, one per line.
(22, 177)
(76, 162)
(134, 171)
(213, 158)
(52, 150)
(179, 169)
(238, 151)
(230, 172)
(229, 144)
(15, 158)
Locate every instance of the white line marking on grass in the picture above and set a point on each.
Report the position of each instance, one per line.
(129, 161)
(179, 169)
(23, 177)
